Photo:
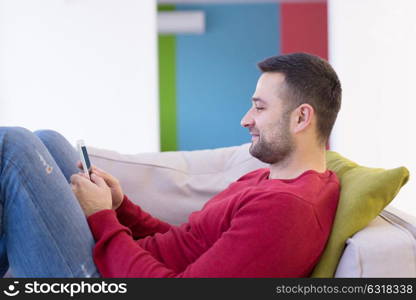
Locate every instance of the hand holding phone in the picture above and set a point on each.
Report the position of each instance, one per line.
(85, 160)
(111, 181)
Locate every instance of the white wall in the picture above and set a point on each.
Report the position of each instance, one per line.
(87, 68)
(373, 49)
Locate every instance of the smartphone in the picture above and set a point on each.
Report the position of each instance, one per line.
(85, 159)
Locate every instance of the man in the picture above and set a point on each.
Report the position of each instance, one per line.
(272, 222)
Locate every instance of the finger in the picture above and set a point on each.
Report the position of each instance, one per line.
(84, 175)
(79, 165)
(79, 178)
(74, 178)
(108, 178)
(97, 169)
(100, 172)
(98, 180)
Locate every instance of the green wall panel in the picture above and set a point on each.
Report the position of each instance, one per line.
(167, 88)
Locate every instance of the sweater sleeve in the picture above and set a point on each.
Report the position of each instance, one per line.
(138, 221)
(267, 237)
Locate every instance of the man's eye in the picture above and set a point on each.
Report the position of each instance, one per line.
(259, 108)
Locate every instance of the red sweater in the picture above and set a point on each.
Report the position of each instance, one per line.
(257, 227)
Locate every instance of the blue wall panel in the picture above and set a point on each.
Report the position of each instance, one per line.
(217, 73)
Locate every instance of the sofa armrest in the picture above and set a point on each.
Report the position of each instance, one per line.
(385, 248)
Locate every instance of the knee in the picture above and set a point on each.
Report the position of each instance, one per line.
(16, 139)
(48, 136)
(16, 134)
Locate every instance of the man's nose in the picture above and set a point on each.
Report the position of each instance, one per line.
(247, 120)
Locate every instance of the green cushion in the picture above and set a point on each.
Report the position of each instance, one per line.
(364, 194)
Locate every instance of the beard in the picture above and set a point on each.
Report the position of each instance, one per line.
(278, 149)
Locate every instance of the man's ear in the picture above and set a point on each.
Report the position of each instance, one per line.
(302, 115)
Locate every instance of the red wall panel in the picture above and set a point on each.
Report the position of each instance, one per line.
(304, 28)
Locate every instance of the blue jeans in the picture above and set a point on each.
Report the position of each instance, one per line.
(43, 231)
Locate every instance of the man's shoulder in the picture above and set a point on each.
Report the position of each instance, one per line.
(308, 192)
(254, 174)
(310, 188)
(261, 203)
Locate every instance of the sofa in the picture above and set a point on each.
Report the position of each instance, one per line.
(171, 185)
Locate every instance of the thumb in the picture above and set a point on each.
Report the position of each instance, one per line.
(98, 180)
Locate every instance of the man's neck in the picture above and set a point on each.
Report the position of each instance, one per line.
(299, 162)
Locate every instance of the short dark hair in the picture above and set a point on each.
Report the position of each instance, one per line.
(309, 79)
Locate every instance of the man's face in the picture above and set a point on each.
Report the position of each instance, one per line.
(268, 122)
